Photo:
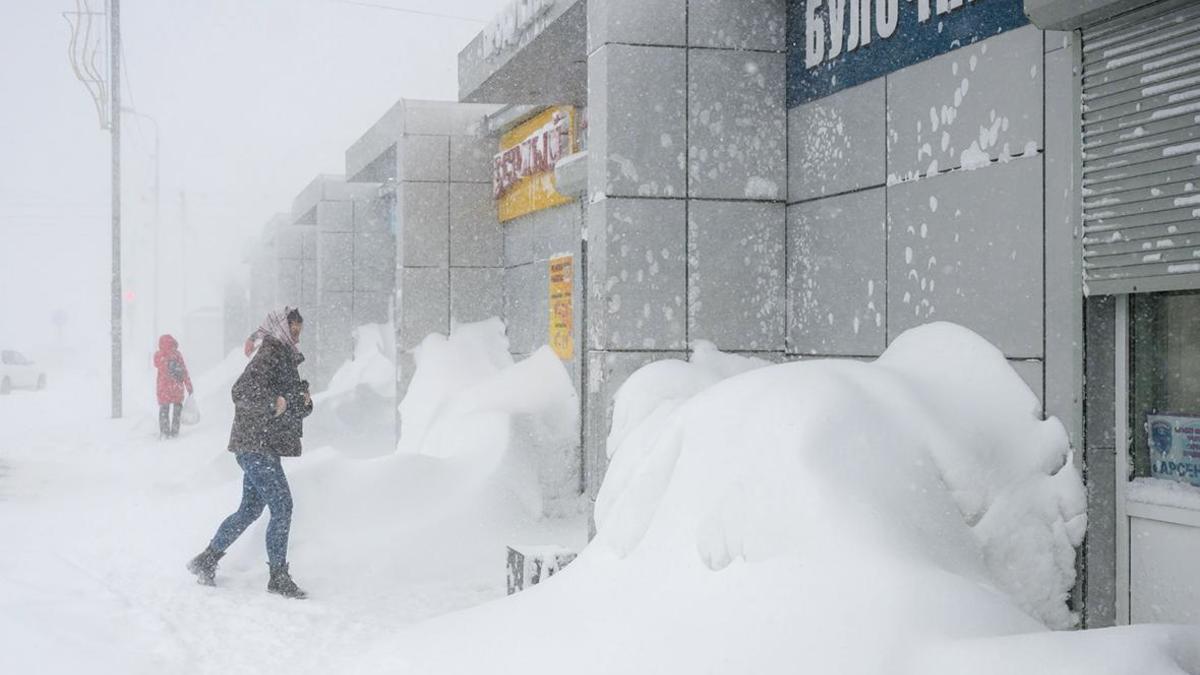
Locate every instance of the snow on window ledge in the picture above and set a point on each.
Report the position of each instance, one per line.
(1160, 492)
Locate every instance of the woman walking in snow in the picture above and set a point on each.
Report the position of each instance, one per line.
(270, 404)
(173, 381)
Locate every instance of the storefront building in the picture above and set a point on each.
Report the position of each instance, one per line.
(808, 179)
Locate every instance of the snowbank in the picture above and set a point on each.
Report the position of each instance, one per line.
(933, 451)
(355, 411)
(371, 367)
(901, 516)
(468, 400)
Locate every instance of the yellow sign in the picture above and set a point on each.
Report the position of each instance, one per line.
(523, 170)
(562, 312)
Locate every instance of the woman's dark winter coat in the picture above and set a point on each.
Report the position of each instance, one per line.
(274, 371)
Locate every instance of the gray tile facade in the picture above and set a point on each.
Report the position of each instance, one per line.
(476, 236)
(335, 330)
(836, 144)
(736, 275)
(335, 216)
(636, 274)
(747, 24)
(837, 283)
(640, 22)
(333, 274)
(1064, 311)
(471, 159)
(526, 307)
(424, 304)
(476, 294)
(737, 145)
(643, 88)
(423, 158)
(979, 103)
(424, 223)
(291, 282)
(963, 244)
(374, 266)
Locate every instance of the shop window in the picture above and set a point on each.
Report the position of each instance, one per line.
(1165, 385)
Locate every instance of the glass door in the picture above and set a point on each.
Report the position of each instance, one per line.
(1158, 463)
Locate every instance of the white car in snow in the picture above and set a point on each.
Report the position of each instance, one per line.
(18, 372)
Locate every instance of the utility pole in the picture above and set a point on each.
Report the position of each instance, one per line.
(114, 54)
(83, 50)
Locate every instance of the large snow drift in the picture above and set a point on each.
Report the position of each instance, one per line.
(468, 400)
(356, 408)
(910, 515)
(931, 454)
(461, 485)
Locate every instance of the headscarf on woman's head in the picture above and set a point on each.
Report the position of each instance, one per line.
(275, 325)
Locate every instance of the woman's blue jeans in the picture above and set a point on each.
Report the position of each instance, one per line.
(263, 484)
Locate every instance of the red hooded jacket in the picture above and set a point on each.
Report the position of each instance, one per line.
(173, 378)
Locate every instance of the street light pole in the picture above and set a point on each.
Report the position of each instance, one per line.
(115, 70)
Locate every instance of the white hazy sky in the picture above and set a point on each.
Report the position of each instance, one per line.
(253, 99)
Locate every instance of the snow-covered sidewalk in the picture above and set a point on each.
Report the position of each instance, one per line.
(98, 518)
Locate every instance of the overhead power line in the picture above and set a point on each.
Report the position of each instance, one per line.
(405, 10)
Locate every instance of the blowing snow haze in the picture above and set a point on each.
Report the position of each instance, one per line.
(250, 99)
(736, 337)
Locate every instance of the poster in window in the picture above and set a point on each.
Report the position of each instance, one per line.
(1174, 447)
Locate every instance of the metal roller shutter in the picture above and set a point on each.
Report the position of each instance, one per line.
(1141, 151)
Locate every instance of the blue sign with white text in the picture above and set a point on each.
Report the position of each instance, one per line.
(836, 44)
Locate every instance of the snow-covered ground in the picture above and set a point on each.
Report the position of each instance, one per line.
(911, 515)
(98, 517)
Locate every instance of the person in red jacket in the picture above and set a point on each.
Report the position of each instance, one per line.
(173, 381)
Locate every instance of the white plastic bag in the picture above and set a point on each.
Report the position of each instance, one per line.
(191, 411)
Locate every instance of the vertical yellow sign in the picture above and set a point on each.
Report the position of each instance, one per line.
(562, 311)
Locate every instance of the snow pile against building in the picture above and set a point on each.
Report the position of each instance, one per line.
(908, 515)
(371, 366)
(355, 411)
(469, 401)
(934, 451)
(472, 472)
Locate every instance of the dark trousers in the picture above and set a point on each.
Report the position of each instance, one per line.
(168, 424)
(263, 485)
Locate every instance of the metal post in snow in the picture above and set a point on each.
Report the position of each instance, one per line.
(115, 82)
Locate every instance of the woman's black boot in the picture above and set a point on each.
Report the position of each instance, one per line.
(204, 566)
(282, 584)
